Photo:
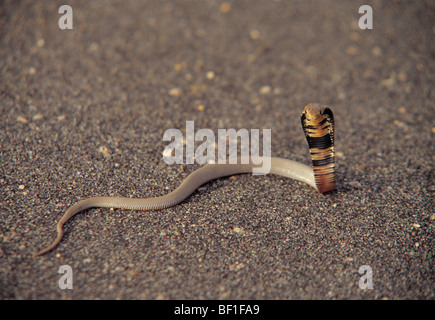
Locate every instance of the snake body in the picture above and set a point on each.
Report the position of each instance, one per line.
(278, 166)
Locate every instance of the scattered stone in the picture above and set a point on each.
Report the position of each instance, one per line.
(352, 51)
(225, 7)
(37, 117)
(236, 266)
(40, 43)
(376, 51)
(176, 92)
(104, 150)
(22, 119)
(265, 89)
(255, 34)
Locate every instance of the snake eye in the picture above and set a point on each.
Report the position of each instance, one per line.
(318, 125)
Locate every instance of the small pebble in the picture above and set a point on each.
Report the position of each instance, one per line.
(37, 117)
(236, 266)
(401, 76)
(400, 124)
(238, 230)
(104, 150)
(376, 51)
(265, 90)
(176, 92)
(352, 51)
(354, 36)
(40, 43)
(93, 47)
(339, 154)
(225, 7)
(178, 67)
(255, 34)
(389, 82)
(22, 119)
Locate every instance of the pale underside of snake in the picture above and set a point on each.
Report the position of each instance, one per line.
(318, 126)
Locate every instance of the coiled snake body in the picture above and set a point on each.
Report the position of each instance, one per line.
(318, 126)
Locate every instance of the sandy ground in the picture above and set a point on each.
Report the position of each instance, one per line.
(83, 113)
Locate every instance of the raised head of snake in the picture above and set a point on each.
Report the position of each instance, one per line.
(318, 125)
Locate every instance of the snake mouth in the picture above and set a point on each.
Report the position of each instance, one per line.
(318, 125)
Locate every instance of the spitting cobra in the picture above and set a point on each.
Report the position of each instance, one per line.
(318, 125)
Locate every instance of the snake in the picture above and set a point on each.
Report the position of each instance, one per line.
(318, 125)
